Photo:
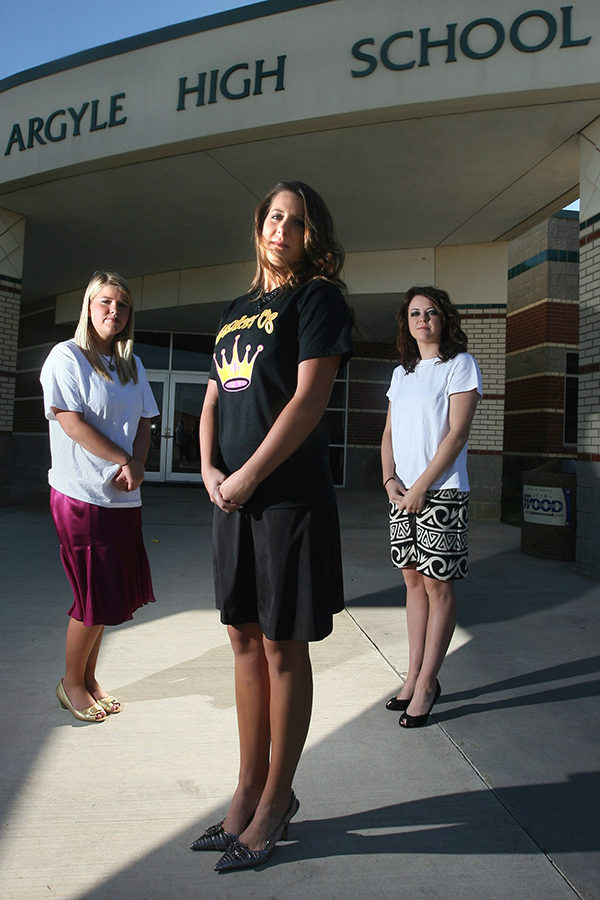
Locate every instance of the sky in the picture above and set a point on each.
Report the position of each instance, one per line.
(39, 31)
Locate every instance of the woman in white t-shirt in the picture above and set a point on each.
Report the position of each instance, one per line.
(99, 405)
(432, 400)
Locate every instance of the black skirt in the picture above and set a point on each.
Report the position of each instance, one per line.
(280, 566)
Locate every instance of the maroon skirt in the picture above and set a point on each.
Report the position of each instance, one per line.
(103, 554)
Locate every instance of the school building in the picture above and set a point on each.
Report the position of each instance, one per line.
(445, 135)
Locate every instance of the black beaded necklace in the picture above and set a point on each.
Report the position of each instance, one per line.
(262, 299)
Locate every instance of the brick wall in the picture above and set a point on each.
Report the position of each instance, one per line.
(12, 234)
(588, 438)
(542, 326)
(37, 335)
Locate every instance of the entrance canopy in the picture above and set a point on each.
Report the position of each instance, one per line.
(424, 125)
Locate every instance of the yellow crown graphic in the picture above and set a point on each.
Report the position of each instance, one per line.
(237, 374)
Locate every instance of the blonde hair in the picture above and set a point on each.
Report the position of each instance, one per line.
(122, 345)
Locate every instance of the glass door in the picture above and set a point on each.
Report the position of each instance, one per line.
(156, 462)
(174, 446)
(186, 396)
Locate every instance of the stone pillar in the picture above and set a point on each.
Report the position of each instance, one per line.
(12, 234)
(588, 437)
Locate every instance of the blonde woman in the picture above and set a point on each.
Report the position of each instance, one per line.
(99, 406)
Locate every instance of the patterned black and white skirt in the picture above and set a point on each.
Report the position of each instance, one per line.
(434, 541)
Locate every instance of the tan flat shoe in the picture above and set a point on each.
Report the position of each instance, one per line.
(109, 703)
(84, 715)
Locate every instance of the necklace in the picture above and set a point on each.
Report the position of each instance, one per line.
(109, 361)
(263, 299)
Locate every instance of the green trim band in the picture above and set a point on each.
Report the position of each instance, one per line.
(480, 305)
(570, 256)
(588, 222)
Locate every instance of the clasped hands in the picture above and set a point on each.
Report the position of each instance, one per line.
(229, 492)
(412, 500)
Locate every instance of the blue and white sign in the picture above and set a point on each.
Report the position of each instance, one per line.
(546, 505)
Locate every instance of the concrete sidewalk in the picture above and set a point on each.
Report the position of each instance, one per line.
(496, 798)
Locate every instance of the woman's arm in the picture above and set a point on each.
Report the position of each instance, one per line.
(130, 476)
(394, 487)
(80, 431)
(291, 428)
(212, 475)
(131, 473)
(460, 415)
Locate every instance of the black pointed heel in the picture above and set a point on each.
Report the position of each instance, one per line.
(214, 838)
(239, 856)
(407, 721)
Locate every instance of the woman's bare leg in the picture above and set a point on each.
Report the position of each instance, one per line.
(440, 628)
(91, 682)
(82, 641)
(290, 675)
(252, 698)
(417, 614)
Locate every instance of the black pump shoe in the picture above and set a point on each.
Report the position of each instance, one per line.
(407, 721)
(396, 705)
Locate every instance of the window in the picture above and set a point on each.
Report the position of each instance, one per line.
(336, 418)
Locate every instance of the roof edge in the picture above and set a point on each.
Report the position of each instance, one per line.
(157, 36)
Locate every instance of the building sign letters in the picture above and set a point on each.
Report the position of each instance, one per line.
(92, 115)
(546, 505)
(531, 32)
(479, 39)
(235, 83)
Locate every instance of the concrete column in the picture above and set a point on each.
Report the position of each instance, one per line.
(12, 234)
(588, 438)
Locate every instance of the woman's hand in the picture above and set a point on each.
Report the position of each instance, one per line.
(395, 491)
(413, 500)
(130, 476)
(237, 488)
(213, 478)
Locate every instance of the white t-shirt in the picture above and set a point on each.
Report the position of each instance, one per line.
(419, 416)
(70, 383)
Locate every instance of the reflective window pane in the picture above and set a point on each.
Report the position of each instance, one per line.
(338, 395)
(152, 347)
(153, 460)
(192, 352)
(335, 421)
(186, 447)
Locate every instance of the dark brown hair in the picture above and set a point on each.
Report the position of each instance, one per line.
(453, 340)
(323, 256)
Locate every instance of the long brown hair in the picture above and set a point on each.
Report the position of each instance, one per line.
(453, 340)
(323, 256)
(122, 345)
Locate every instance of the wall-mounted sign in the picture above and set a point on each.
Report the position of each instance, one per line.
(546, 505)
(236, 83)
(92, 115)
(479, 39)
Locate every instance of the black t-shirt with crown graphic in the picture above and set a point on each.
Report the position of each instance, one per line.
(255, 366)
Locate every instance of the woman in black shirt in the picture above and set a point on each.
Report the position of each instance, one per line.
(278, 578)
